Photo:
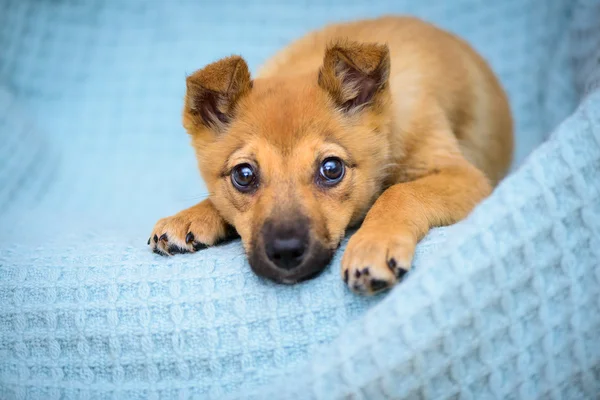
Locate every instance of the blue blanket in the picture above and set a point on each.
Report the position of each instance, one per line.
(502, 305)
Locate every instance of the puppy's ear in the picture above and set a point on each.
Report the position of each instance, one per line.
(354, 73)
(214, 91)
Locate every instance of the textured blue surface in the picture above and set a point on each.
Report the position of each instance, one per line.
(503, 305)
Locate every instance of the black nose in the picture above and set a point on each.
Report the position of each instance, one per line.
(286, 247)
(286, 253)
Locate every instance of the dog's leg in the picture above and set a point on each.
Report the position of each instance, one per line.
(381, 251)
(189, 230)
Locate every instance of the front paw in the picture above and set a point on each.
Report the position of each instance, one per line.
(188, 231)
(375, 260)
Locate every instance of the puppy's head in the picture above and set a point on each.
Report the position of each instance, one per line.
(292, 161)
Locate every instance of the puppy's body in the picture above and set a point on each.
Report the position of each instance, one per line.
(421, 128)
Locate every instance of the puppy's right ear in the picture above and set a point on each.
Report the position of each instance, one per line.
(355, 73)
(213, 93)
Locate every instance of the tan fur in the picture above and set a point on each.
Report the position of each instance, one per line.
(433, 136)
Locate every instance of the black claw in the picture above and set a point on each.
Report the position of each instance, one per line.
(378, 284)
(149, 241)
(357, 274)
(173, 249)
(189, 237)
(164, 237)
(392, 264)
(199, 246)
(400, 272)
(158, 251)
(346, 276)
(155, 239)
(365, 271)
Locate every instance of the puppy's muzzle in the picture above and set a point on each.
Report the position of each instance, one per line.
(287, 248)
(285, 251)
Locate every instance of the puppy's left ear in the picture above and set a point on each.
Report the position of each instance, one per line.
(214, 92)
(355, 73)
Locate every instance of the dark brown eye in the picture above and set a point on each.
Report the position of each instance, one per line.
(244, 178)
(331, 171)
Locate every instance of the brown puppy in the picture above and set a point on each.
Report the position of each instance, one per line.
(390, 120)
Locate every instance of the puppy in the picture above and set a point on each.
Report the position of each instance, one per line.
(391, 122)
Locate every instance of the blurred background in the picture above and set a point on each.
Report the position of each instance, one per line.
(91, 94)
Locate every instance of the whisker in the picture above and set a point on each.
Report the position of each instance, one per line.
(198, 198)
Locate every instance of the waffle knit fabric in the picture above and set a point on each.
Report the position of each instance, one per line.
(505, 304)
